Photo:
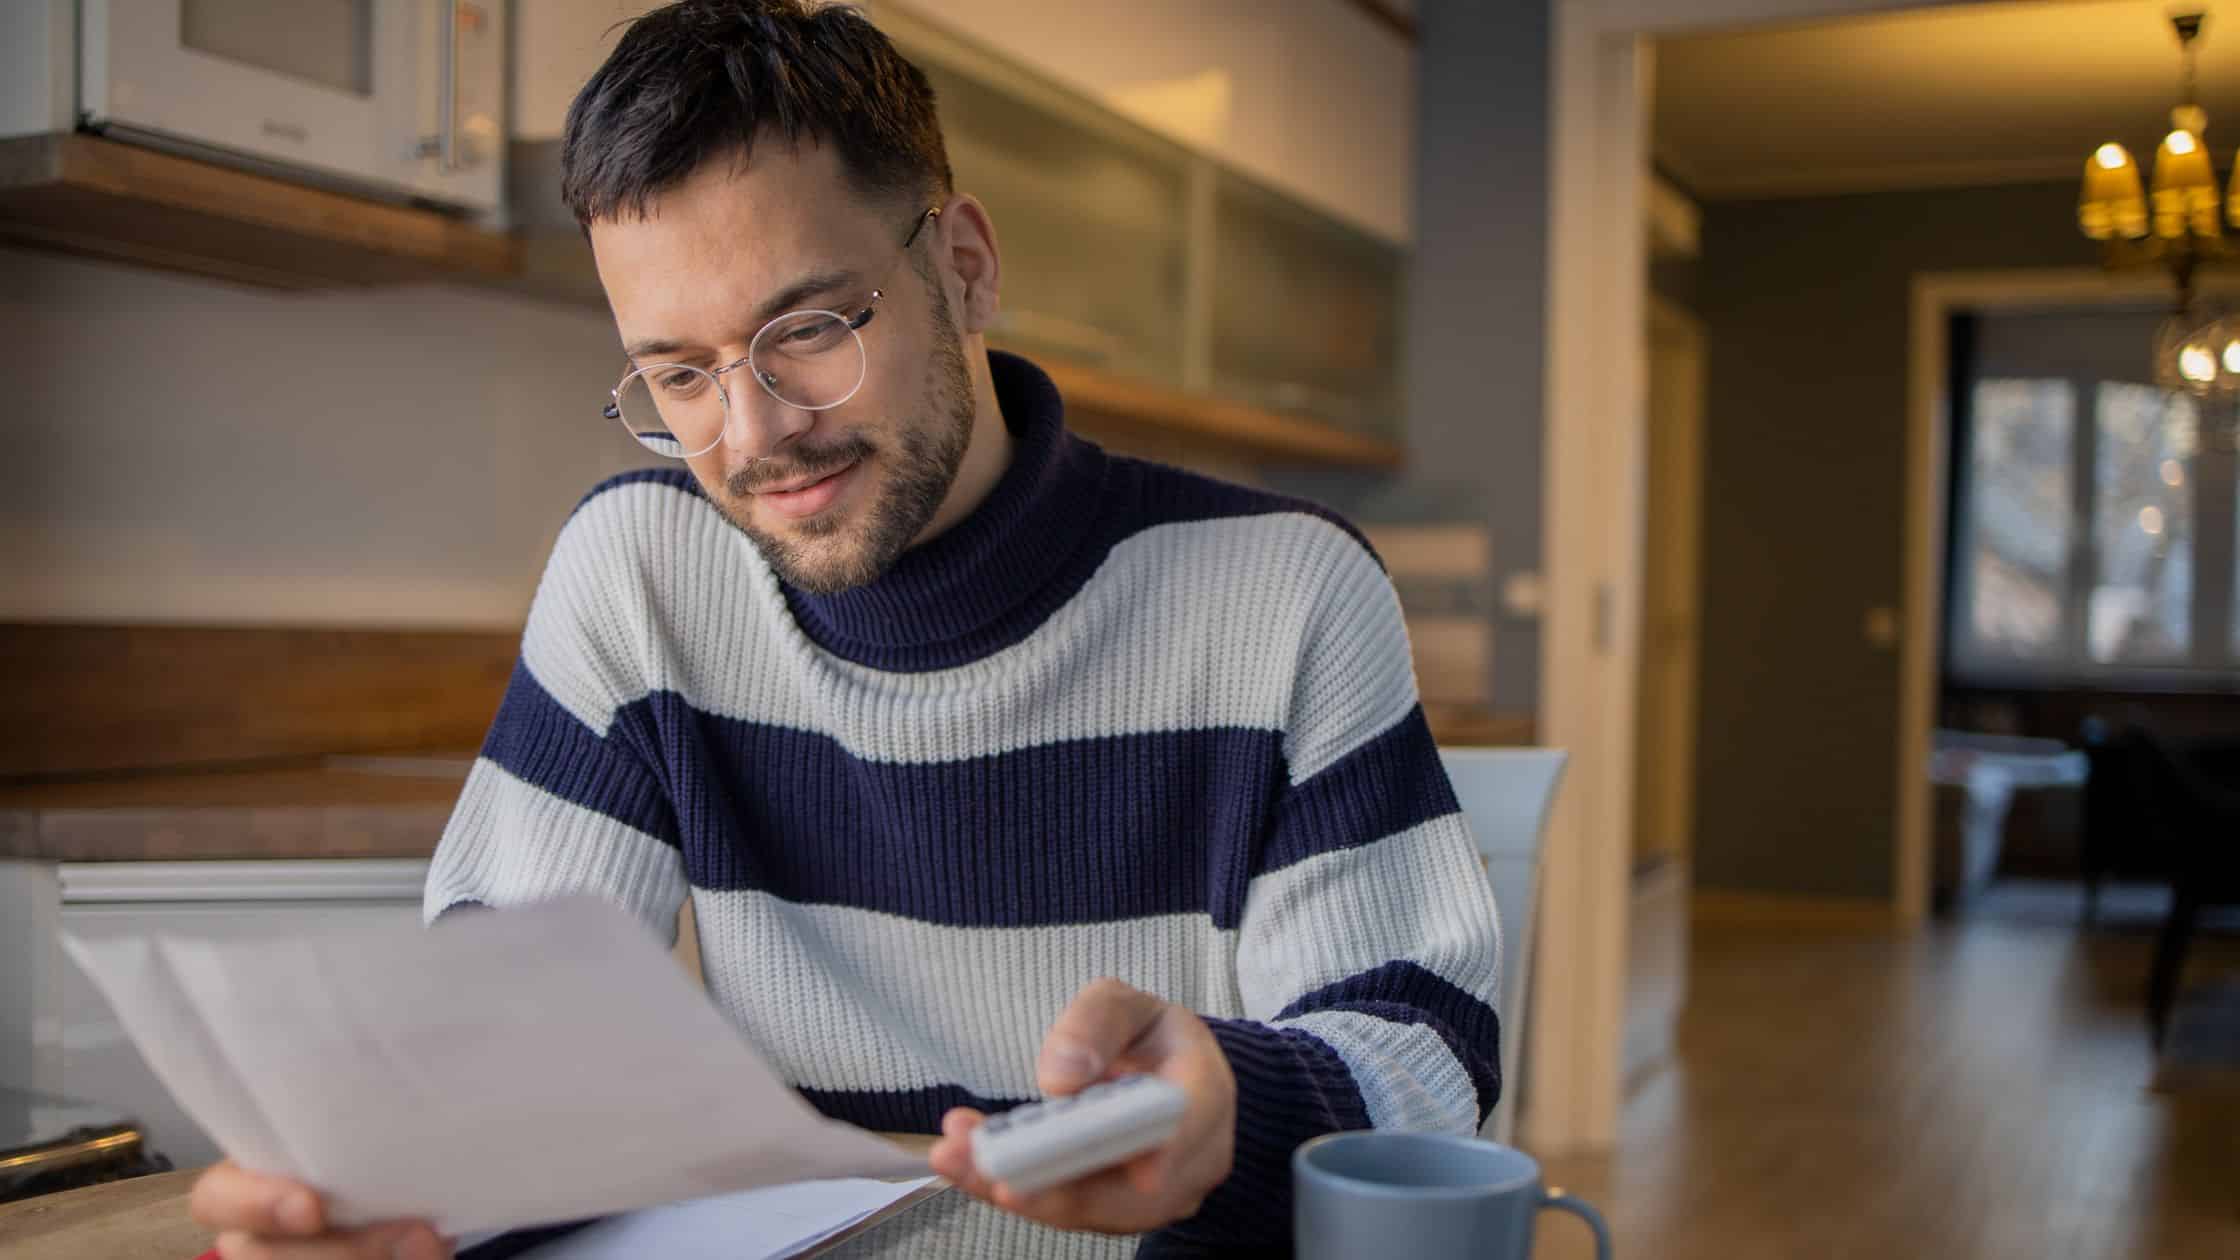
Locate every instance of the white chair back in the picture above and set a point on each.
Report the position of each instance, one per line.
(1505, 794)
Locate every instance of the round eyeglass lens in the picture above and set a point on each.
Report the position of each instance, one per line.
(672, 409)
(810, 359)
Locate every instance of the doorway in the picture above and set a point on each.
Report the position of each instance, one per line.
(1665, 730)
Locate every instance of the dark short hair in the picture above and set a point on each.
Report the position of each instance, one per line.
(700, 79)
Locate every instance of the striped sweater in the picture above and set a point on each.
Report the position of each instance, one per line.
(1120, 721)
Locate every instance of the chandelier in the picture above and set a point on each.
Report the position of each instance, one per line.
(2176, 223)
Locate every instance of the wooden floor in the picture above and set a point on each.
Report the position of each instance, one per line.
(1979, 1091)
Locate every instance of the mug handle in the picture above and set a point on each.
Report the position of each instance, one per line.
(1554, 1197)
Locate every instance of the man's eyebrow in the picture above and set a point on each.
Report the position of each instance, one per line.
(792, 297)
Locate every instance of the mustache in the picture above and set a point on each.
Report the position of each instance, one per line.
(799, 462)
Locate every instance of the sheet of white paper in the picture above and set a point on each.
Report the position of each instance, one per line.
(765, 1224)
(499, 1069)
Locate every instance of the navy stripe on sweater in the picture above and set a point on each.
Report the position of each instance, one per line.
(902, 1110)
(674, 476)
(1388, 784)
(539, 742)
(1090, 830)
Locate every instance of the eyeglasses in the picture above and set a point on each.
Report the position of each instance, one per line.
(811, 360)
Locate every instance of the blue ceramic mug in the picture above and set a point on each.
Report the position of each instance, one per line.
(1426, 1196)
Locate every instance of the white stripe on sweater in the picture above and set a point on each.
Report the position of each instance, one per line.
(1408, 1077)
(850, 999)
(510, 842)
(648, 586)
(1418, 895)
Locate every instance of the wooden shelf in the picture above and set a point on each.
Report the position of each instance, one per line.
(1098, 402)
(82, 194)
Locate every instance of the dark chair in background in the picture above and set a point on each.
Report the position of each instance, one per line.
(2195, 819)
(2111, 843)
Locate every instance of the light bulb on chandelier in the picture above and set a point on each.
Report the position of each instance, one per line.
(2172, 219)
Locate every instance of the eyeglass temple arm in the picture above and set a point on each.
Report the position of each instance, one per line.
(929, 216)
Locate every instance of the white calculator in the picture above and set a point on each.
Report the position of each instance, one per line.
(1050, 1143)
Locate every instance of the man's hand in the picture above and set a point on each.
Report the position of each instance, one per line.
(270, 1218)
(1110, 1030)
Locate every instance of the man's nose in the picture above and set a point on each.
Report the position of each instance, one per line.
(755, 424)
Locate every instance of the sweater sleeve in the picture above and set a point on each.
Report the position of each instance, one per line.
(567, 795)
(1369, 949)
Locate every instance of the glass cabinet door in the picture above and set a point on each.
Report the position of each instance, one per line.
(1306, 311)
(1126, 252)
(1090, 209)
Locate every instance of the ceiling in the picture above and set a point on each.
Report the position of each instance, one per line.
(1975, 94)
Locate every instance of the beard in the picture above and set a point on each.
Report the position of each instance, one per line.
(829, 554)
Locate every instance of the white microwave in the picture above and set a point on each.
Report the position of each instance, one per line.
(399, 98)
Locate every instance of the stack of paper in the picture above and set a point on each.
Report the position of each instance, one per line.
(767, 1224)
(501, 1069)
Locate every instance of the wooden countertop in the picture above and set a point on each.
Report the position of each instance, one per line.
(356, 807)
(144, 1218)
(141, 1219)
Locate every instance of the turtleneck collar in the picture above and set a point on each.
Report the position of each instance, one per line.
(979, 586)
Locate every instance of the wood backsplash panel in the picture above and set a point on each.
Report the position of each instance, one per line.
(83, 699)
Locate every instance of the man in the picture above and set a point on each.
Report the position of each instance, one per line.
(993, 765)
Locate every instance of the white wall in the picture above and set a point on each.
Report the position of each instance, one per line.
(1319, 98)
(556, 46)
(179, 450)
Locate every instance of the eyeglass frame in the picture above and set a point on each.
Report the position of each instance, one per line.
(613, 408)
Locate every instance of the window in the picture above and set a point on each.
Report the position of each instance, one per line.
(2018, 522)
(2081, 499)
(2141, 605)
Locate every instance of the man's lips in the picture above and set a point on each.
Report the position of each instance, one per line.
(800, 483)
(805, 496)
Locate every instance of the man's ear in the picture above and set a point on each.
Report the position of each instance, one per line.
(966, 238)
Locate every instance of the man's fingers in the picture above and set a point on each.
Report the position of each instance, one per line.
(1109, 1202)
(1146, 1192)
(1198, 1065)
(1148, 1173)
(1060, 1205)
(230, 1197)
(952, 1155)
(1101, 1023)
(399, 1240)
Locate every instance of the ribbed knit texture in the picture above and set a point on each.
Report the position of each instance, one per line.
(1121, 721)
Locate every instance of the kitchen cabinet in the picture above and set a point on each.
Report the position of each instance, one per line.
(1307, 311)
(1091, 210)
(1129, 254)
